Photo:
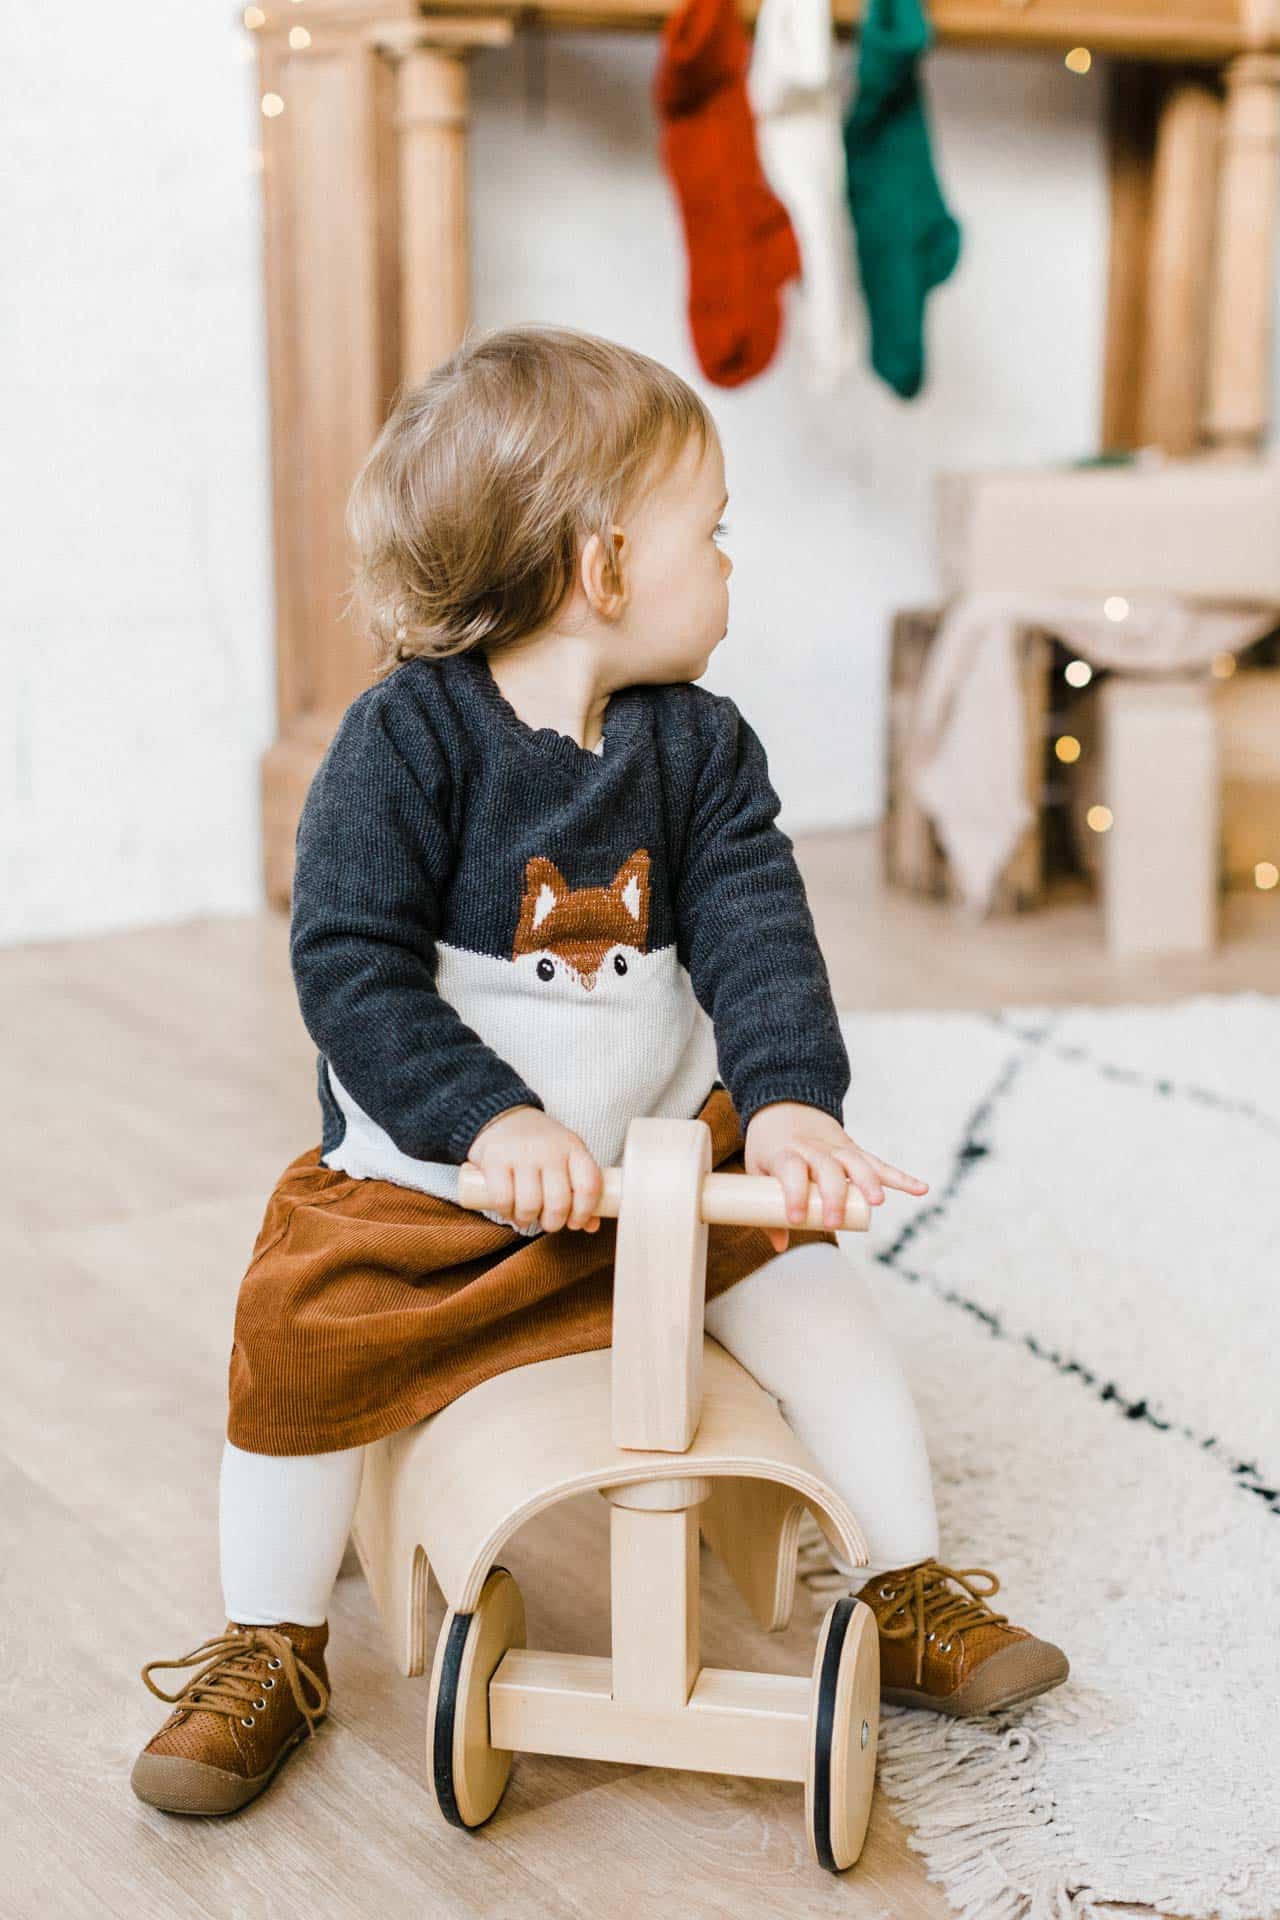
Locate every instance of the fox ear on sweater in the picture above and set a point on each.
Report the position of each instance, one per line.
(617, 912)
(544, 889)
(631, 884)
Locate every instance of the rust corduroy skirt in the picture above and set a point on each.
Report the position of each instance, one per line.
(368, 1306)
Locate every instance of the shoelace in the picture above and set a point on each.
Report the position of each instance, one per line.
(917, 1602)
(231, 1677)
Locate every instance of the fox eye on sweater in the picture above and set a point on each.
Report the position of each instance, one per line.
(620, 963)
(546, 969)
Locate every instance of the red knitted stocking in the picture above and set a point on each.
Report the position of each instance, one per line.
(740, 244)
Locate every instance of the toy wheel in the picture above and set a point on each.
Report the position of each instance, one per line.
(468, 1776)
(844, 1726)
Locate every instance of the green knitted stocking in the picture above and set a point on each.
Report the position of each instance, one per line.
(907, 240)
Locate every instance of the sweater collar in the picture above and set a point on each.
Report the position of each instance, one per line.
(621, 713)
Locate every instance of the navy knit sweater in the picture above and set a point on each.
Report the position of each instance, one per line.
(488, 915)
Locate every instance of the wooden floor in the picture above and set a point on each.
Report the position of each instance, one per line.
(154, 1085)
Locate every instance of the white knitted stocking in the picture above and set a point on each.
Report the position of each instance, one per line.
(797, 107)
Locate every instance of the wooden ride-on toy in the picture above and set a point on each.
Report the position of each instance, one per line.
(678, 1437)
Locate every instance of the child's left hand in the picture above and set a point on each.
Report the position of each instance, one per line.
(796, 1143)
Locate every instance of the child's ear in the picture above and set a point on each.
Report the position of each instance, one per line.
(603, 571)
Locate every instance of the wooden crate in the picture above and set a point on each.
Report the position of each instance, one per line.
(912, 856)
(1060, 844)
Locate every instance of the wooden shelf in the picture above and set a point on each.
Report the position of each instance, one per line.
(1172, 30)
(1175, 30)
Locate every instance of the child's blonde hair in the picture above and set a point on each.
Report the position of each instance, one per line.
(473, 505)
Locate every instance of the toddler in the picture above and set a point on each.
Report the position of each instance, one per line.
(539, 891)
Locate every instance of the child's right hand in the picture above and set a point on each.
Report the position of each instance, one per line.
(537, 1171)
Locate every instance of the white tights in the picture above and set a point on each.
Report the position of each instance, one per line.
(804, 1325)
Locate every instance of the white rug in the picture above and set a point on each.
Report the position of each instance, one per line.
(1088, 1304)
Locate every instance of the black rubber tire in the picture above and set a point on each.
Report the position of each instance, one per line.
(824, 1731)
(442, 1731)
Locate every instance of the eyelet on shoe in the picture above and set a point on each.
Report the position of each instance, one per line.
(268, 1683)
(246, 1723)
(273, 1663)
(945, 1647)
(261, 1705)
(930, 1636)
(887, 1593)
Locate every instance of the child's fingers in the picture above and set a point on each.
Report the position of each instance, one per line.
(795, 1167)
(528, 1196)
(587, 1183)
(863, 1176)
(895, 1177)
(832, 1177)
(501, 1185)
(557, 1198)
(792, 1170)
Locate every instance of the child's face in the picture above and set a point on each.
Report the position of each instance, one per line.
(676, 570)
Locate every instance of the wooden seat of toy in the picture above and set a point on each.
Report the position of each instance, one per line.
(682, 1441)
(475, 1473)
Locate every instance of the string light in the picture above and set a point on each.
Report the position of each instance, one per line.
(254, 18)
(1265, 875)
(1079, 60)
(1067, 748)
(272, 105)
(1116, 607)
(299, 38)
(1099, 818)
(1078, 673)
(1222, 666)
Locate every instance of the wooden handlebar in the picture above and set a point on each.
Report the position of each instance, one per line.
(727, 1199)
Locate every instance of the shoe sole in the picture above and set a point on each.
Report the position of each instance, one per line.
(175, 1785)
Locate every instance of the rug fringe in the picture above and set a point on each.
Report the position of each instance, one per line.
(972, 1797)
(977, 1809)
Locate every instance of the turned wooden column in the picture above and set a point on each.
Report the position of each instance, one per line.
(1240, 329)
(1134, 91)
(1164, 148)
(431, 128)
(1184, 183)
(1194, 170)
(364, 182)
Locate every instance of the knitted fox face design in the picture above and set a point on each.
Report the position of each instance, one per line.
(599, 1023)
(584, 939)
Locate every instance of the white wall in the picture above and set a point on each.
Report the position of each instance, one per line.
(136, 601)
(136, 606)
(831, 504)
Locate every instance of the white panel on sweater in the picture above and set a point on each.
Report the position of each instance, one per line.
(633, 1042)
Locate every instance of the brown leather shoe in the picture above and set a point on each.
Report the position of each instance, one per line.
(942, 1646)
(258, 1692)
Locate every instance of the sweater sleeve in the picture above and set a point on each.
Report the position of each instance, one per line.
(373, 861)
(746, 935)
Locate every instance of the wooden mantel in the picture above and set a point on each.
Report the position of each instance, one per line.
(364, 182)
(1168, 30)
